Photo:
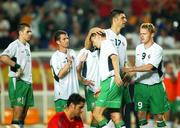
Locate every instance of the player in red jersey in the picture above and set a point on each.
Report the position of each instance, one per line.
(70, 117)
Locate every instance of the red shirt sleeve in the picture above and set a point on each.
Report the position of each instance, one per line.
(53, 122)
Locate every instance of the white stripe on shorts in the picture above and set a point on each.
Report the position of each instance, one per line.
(14, 82)
(111, 83)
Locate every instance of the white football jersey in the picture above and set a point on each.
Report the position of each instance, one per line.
(91, 68)
(21, 54)
(105, 63)
(64, 87)
(152, 55)
(120, 44)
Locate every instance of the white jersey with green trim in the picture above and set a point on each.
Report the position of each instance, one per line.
(21, 54)
(90, 68)
(152, 55)
(67, 85)
(120, 44)
(105, 63)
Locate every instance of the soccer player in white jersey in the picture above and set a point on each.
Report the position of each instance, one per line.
(150, 95)
(18, 56)
(118, 20)
(89, 72)
(111, 83)
(63, 63)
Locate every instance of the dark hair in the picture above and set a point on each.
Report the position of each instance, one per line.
(21, 26)
(114, 13)
(75, 98)
(167, 62)
(58, 33)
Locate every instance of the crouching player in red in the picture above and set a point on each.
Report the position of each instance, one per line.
(70, 117)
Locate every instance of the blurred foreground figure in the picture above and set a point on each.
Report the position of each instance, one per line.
(170, 82)
(70, 117)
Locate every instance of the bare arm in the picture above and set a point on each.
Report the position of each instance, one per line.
(144, 68)
(7, 60)
(115, 63)
(17, 68)
(81, 78)
(65, 70)
(79, 68)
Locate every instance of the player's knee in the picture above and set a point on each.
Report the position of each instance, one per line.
(142, 118)
(159, 117)
(116, 117)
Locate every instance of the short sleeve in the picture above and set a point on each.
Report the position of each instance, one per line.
(109, 48)
(10, 50)
(81, 52)
(54, 65)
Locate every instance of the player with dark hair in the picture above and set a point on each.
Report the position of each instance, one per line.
(118, 21)
(64, 63)
(70, 117)
(18, 56)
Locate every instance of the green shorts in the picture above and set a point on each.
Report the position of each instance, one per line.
(150, 98)
(90, 99)
(110, 95)
(20, 93)
(177, 106)
(60, 105)
(172, 106)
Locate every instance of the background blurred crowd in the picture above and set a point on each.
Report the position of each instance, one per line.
(78, 16)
